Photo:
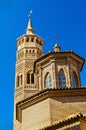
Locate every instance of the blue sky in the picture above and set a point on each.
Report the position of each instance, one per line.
(67, 18)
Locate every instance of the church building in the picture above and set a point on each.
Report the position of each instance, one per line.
(48, 91)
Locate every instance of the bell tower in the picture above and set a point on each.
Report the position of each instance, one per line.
(29, 48)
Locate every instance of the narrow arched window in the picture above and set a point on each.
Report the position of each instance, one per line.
(32, 39)
(36, 40)
(61, 79)
(32, 78)
(48, 81)
(26, 51)
(33, 51)
(29, 51)
(27, 40)
(74, 80)
(28, 78)
(40, 43)
(19, 80)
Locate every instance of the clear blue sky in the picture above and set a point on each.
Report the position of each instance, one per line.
(67, 18)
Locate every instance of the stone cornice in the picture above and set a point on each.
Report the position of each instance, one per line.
(25, 35)
(54, 55)
(48, 93)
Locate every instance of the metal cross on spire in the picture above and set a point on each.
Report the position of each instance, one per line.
(30, 14)
(29, 29)
(56, 38)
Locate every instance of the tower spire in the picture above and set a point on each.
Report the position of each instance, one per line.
(29, 29)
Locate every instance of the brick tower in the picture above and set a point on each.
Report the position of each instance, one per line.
(29, 48)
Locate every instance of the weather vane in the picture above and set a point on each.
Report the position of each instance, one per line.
(30, 13)
(56, 37)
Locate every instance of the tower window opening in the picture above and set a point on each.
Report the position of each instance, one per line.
(32, 39)
(27, 40)
(28, 78)
(40, 43)
(29, 51)
(33, 51)
(26, 51)
(32, 78)
(61, 79)
(19, 80)
(36, 40)
(48, 81)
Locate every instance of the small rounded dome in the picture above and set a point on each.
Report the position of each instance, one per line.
(56, 48)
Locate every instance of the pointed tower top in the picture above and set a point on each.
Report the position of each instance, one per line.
(29, 29)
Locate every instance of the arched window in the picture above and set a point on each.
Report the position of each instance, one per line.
(61, 79)
(32, 78)
(74, 80)
(19, 80)
(48, 81)
(40, 43)
(36, 40)
(29, 51)
(26, 51)
(28, 78)
(32, 39)
(33, 51)
(27, 40)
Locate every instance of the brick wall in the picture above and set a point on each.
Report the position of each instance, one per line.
(36, 116)
(63, 107)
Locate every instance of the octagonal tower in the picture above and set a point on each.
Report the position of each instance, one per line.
(29, 48)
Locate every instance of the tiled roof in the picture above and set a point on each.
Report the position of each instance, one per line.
(60, 90)
(65, 122)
